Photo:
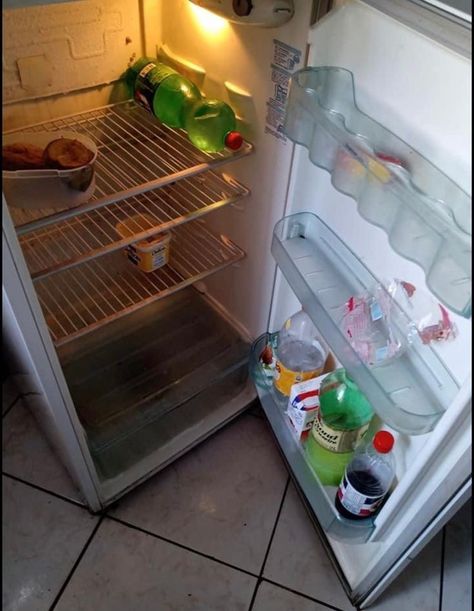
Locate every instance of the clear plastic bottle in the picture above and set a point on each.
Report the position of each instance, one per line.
(367, 478)
(300, 354)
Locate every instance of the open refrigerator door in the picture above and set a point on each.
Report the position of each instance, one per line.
(364, 208)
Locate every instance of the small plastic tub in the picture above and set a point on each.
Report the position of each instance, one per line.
(148, 254)
(49, 188)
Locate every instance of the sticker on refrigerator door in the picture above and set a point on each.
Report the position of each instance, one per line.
(274, 121)
(285, 59)
(285, 56)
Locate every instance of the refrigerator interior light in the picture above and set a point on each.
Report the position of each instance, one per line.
(208, 21)
(264, 13)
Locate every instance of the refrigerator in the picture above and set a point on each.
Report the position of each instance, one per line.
(125, 371)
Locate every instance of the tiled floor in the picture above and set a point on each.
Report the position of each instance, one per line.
(221, 529)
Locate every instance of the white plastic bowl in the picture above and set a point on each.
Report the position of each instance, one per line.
(49, 188)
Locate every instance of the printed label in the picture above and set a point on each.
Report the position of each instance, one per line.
(148, 80)
(284, 61)
(335, 440)
(285, 378)
(355, 502)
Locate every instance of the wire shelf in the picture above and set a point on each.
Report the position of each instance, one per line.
(78, 300)
(93, 234)
(136, 154)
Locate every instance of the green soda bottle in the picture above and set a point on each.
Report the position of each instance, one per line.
(343, 419)
(162, 91)
(211, 126)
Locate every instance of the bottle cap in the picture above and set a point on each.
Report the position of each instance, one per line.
(233, 140)
(383, 442)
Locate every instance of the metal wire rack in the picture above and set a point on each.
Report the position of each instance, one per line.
(94, 233)
(78, 300)
(136, 154)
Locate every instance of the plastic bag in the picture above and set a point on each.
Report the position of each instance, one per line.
(369, 325)
(428, 319)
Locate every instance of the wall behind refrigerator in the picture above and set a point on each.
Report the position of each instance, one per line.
(244, 55)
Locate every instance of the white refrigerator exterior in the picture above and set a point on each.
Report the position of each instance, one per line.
(397, 72)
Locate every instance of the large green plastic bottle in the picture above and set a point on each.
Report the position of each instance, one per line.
(162, 91)
(211, 126)
(177, 102)
(343, 419)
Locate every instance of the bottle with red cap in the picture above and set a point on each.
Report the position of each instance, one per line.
(367, 478)
(177, 102)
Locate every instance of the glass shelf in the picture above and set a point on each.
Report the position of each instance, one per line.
(320, 499)
(426, 216)
(409, 393)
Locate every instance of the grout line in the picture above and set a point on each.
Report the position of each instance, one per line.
(185, 547)
(45, 490)
(7, 411)
(259, 579)
(441, 573)
(76, 564)
(307, 596)
(20, 396)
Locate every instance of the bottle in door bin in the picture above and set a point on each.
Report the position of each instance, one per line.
(367, 479)
(162, 91)
(341, 423)
(300, 354)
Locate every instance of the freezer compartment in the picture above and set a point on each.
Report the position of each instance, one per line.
(409, 393)
(426, 215)
(152, 384)
(81, 299)
(320, 499)
(95, 233)
(136, 154)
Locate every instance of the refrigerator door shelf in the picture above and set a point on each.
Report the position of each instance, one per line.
(319, 498)
(409, 393)
(425, 214)
(137, 154)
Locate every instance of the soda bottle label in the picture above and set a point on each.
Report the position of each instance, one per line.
(285, 378)
(356, 503)
(148, 80)
(336, 440)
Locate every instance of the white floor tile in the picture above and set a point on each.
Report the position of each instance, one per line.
(27, 455)
(297, 558)
(9, 394)
(42, 538)
(221, 498)
(418, 586)
(457, 582)
(127, 570)
(273, 598)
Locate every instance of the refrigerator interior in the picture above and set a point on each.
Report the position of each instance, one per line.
(214, 325)
(63, 69)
